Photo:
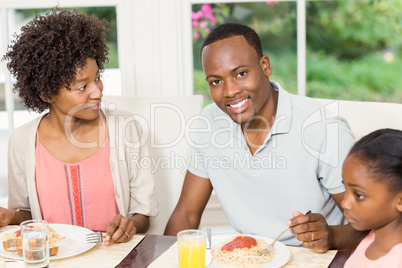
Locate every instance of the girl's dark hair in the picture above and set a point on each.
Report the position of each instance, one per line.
(381, 152)
(228, 30)
(46, 55)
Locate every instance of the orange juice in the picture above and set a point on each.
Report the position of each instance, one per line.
(191, 245)
(192, 254)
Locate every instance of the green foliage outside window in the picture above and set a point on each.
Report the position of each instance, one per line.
(109, 13)
(354, 47)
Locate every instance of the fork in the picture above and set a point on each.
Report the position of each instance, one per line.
(95, 237)
(268, 250)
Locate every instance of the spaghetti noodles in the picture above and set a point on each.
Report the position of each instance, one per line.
(241, 250)
(54, 238)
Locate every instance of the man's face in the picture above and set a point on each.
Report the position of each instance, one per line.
(237, 78)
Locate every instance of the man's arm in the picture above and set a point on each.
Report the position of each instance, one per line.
(315, 233)
(194, 197)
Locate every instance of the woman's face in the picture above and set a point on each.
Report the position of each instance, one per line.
(83, 101)
(368, 203)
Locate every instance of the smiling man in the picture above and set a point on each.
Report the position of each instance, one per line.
(263, 151)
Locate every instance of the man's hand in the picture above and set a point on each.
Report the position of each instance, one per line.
(312, 230)
(119, 230)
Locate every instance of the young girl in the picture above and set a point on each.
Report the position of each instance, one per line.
(372, 174)
(72, 165)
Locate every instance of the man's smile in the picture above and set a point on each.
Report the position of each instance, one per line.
(238, 107)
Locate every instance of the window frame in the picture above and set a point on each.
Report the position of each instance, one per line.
(125, 65)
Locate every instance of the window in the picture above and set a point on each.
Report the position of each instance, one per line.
(354, 50)
(274, 22)
(350, 49)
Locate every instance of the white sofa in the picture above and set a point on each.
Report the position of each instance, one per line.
(165, 120)
(365, 117)
(168, 117)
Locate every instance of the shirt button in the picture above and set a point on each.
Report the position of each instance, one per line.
(245, 148)
(117, 195)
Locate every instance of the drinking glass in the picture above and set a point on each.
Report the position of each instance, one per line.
(191, 245)
(35, 243)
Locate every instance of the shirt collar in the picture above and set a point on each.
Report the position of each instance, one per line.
(283, 116)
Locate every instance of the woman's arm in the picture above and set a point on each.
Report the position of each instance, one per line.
(8, 216)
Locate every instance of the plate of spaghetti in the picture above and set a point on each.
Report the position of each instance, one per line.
(64, 241)
(240, 250)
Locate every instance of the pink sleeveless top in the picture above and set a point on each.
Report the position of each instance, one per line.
(79, 194)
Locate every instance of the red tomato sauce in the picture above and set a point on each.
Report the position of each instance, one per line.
(240, 242)
(18, 233)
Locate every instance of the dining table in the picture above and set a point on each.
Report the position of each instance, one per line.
(152, 247)
(154, 251)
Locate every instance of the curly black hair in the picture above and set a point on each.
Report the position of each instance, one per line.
(46, 55)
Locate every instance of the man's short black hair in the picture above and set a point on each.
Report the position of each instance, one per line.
(228, 30)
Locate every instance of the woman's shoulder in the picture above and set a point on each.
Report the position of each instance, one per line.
(26, 129)
(23, 138)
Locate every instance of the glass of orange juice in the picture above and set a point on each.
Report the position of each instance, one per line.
(191, 248)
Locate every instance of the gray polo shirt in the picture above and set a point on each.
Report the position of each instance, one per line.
(298, 166)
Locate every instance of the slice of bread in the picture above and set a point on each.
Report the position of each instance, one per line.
(12, 242)
(53, 250)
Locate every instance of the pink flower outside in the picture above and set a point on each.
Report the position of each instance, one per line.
(197, 15)
(208, 15)
(203, 24)
(207, 30)
(195, 23)
(206, 8)
(272, 3)
(200, 14)
(212, 20)
(196, 35)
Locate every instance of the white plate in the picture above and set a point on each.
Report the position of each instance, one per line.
(74, 242)
(282, 253)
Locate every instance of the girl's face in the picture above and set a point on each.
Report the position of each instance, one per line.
(368, 204)
(83, 101)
